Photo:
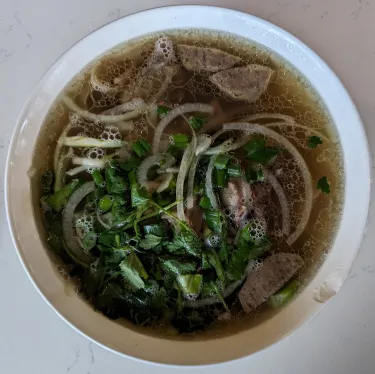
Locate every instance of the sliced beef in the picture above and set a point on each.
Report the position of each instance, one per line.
(237, 199)
(275, 271)
(233, 200)
(206, 59)
(243, 83)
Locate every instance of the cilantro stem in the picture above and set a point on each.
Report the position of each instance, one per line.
(164, 210)
(160, 210)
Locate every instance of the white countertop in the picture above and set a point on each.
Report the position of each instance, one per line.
(33, 339)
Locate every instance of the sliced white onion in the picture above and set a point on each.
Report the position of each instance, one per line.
(169, 71)
(57, 160)
(209, 186)
(174, 113)
(89, 162)
(152, 115)
(151, 161)
(259, 129)
(298, 126)
(101, 220)
(164, 185)
(255, 117)
(226, 146)
(124, 125)
(125, 107)
(168, 170)
(84, 142)
(203, 142)
(75, 171)
(69, 237)
(282, 200)
(187, 158)
(103, 118)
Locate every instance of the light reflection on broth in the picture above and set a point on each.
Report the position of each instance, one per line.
(145, 81)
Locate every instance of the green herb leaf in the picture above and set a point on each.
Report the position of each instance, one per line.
(214, 220)
(254, 174)
(162, 110)
(190, 284)
(214, 260)
(179, 141)
(221, 161)
(130, 165)
(185, 243)
(115, 184)
(263, 156)
(58, 200)
(89, 240)
(139, 195)
(205, 202)
(133, 271)
(197, 121)
(150, 241)
(234, 170)
(176, 267)
(141, 148)
(105, 203)
(323, 185)
(97, 176)
(258, 152)
(281, 297)
(314, 141)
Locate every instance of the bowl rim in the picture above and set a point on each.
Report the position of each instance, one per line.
(356, 200)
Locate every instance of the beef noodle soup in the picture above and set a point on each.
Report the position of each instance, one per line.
(189, 180)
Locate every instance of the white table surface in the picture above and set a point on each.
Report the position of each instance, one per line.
(33, 339)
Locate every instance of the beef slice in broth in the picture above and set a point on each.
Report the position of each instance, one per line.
(206, 59)
(275, 271)
(246, 83)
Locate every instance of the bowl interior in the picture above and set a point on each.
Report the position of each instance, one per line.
(212, 346)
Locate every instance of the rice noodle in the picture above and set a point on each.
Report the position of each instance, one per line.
(125, 107)
(259, 129)
(282, 200)
(209, 186)
(184, 168)
(69, 237)
(102, 118)
(204, 141)
(149, 162)
(174, 113)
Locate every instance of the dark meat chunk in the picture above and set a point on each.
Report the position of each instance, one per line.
(275, 271)
(243, 83)
(206, 59)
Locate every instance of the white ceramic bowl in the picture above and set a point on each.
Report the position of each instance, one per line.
(211, 347)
